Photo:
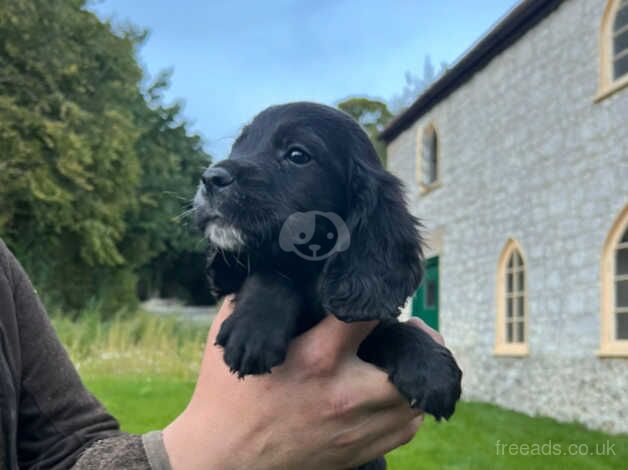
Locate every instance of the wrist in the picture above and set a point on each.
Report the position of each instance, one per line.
(196, 440)
(189, 446)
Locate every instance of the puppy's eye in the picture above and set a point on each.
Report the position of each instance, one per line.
(298, 156)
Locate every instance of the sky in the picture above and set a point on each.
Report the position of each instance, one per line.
(231, 59)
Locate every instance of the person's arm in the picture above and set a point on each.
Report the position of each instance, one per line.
(48, 416)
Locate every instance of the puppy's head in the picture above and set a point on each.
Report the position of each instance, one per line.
(305, 177)
(289, 159)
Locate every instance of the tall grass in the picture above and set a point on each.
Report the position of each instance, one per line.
(137, 344)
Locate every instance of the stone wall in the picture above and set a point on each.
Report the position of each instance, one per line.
(527, 153)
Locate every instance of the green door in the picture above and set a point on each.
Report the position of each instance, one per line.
(425, 301)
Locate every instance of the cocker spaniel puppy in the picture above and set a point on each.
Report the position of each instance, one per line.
(303, 220)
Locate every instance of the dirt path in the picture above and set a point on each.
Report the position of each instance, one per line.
(197, 313)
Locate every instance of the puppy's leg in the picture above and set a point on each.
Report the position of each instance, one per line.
(226, 271)
(255, 337)
(425, 372)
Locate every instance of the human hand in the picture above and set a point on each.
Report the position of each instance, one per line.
(322, 408)
(436, 336)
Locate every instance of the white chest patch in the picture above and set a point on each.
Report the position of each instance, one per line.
(225, 238)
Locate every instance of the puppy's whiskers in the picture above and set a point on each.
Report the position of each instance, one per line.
(185, 214)
(238, 261)
(181, 197)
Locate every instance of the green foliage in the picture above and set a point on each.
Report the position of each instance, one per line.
(124, 345)
(373, 116)
(93, 171)
(143, 367)
(171, 161)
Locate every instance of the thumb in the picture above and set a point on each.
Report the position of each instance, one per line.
(436, 336)
(339, 338)
(224, 311)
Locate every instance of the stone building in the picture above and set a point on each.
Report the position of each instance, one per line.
(516, 160)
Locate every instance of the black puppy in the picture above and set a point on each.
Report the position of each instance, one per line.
(302, 220)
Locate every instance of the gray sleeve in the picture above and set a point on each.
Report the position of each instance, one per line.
(156, 451)
(129, 452)
(48, 416)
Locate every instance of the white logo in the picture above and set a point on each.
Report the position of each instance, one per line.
(314, 235)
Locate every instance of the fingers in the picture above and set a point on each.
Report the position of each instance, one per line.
(223, 312)
(339, 338)
(361, 387)
(395, 437)
(213, 367)
(367, 388)
(389, 432)
(436, 336)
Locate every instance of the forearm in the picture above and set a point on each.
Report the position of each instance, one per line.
(48, 416)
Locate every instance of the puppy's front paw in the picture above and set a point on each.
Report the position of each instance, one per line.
(431, 381)
(250, 349)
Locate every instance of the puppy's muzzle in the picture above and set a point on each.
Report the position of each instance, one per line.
(216, 178)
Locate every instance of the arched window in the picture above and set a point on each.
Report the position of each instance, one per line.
(614, 302)
(614, 47)
(428, 156)
(512, 306)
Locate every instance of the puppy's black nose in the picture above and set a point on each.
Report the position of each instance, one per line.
(216, 177)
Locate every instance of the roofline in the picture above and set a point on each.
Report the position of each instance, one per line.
(506, 32)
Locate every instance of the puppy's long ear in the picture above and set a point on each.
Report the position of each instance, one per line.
(383, 265)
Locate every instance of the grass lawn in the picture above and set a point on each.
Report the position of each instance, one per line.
(468, 441)
(141, 403)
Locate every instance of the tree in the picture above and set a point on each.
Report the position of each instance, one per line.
(158, 231)
(372, 115)
(416, 84)
(88, 161)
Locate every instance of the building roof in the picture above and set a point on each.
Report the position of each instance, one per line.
(523, 17)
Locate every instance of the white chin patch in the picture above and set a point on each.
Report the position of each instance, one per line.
(225, 238)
